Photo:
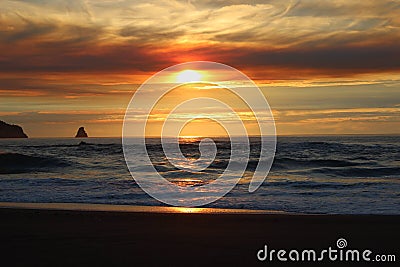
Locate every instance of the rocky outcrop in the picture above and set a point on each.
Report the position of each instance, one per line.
(81, 133)
(11, 131)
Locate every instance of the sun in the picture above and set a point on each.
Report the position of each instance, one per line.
(188, 76)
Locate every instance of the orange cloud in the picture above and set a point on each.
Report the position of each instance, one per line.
(313, 59)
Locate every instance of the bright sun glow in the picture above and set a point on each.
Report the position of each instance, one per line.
(188, 76)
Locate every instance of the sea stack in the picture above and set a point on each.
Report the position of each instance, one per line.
(11, 131)
(81, 133)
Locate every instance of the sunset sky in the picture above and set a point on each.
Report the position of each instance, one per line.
(326, 67)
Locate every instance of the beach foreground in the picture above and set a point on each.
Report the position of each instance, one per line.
(51, 237)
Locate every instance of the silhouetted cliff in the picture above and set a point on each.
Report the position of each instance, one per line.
(81, 133)
(11, 131)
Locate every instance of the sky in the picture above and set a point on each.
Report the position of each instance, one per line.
(325, 67)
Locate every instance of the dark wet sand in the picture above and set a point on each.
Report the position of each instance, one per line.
(32, 237)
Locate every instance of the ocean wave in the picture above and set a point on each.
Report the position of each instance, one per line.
(110, 148)
(302, 166)
(288, 163)
(19, 163)
(318, 185)
(100, 148)
(358, 172)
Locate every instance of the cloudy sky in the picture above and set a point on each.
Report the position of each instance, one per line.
(326, 67)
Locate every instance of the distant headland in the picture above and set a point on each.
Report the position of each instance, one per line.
(81, 133)
(11, 131)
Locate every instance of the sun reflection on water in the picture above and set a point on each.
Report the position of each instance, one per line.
(189, 139)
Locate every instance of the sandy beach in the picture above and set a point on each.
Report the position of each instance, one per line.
(62, 236)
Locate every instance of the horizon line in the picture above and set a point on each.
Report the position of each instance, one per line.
(278, 135)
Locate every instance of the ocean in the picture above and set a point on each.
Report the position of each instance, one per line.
(310, 174)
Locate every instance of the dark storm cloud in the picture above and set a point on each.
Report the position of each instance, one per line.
(319, 37)
(343, 60)
(64, 57)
